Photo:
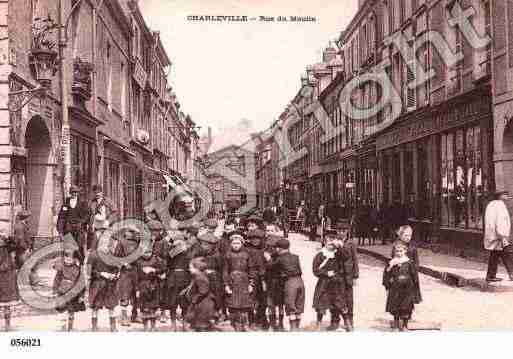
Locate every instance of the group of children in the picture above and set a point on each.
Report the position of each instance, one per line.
(247, 275)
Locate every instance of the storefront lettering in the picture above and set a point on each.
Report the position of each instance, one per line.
(433, 123)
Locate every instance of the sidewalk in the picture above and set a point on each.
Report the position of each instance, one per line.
(451, 270)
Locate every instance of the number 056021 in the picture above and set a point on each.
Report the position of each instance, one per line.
(25, 342)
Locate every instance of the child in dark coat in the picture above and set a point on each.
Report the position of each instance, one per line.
(202, 311)
(275, 294)
(328, 266)
(255, 248)
(400, 278)
(289, 269)
(239, 280)
(66, 286)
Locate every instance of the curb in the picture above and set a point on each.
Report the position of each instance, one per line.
(451, 279)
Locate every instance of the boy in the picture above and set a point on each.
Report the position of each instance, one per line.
(289, 269)
(255, 248)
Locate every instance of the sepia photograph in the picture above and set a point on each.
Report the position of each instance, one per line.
(186, 166)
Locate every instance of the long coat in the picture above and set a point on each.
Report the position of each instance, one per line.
(73, 221)
(149, 283)
(8, 284)
(203, 303)
(127, 282)
(401, 282)
(177, 279)
(329, 291)
(68, 276)
(259, 262)
(214, 272)
(103, 293)
(238, 273)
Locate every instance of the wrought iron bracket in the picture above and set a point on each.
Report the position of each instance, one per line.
(26, 96)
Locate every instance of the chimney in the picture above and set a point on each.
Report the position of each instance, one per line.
(329, 54)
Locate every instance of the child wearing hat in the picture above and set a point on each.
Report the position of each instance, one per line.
(67, 286)
(202, 311)
(275, 294)
(400, 279)
(289, 268)
(8, 285)
(239, 280)
(255, 247)
(329, 294)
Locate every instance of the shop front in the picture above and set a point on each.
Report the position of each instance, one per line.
(438, 162)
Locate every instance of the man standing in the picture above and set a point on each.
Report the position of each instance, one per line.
(496, 236)
(101, 211)
(22, 238)
(72, 219)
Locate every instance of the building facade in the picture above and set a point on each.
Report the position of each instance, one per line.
(121, 109)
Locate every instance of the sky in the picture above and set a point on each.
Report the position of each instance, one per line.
(238, 77)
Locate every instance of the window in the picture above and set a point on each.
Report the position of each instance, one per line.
(83, 162)
(129, 192)
(462, 179)
(111, 181)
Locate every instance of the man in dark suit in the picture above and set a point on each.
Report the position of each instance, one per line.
(73, 218)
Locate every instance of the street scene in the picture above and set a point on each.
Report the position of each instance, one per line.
(358, 183)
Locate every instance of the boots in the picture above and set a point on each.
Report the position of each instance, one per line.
(400, 325)
(133, 316)
(351, 323)
(124, 318)
(174, 328)
(70, 324)
(94, 324)
(153, 323)
(395, 324)
(7, 318)
(334, 325)
(347, 324)
(243, 322)
(145, 324)
(405, 324)
(281, 327)
(273, 322)
(251, 320)
(113, 324)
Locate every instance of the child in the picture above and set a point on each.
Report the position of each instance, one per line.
(328, 266)
(127, 283)
(103, 290)
(239, 280)
(255, 248)
(347, 251)
(149, 268)
(65, 283)
(202, 311)
(400, 278)
(275, 295)
(8, 286)
(404, 236)
(289, 269)
(177, 278)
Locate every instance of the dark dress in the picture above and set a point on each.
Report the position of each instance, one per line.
(413, 254)
(330, 292)
(275, 292)
(259, 262)
(238, 274)
(67, 278)
(149, 283)
(127, 282)
(401, 282)
(103, 293)
(8, 285)
(202, 310)
(214, 272)
(351, 272)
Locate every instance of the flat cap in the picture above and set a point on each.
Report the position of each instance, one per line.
(283, 244)
(208, 238)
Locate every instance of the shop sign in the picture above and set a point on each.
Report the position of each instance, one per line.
(435, 122)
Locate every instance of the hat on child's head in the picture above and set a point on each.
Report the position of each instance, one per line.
(283, 244)
(236, 236)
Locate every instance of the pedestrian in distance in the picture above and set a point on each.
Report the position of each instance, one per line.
(400, 279)
(101, 212)
(202, 312)
(239, 280)
(497, 236)
(8, 285)
(24, 242)
(289, 268)
(67, 286)
(328, 267)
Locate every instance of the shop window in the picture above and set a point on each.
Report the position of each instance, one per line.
(462, 179)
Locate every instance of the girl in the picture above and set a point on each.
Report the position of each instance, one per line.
(400, 278)
(239, 280)
(103, 291)
(404, 236)
(330, 288)
(202, 311)
(66, 278)
(149, 268)
(8, 286)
